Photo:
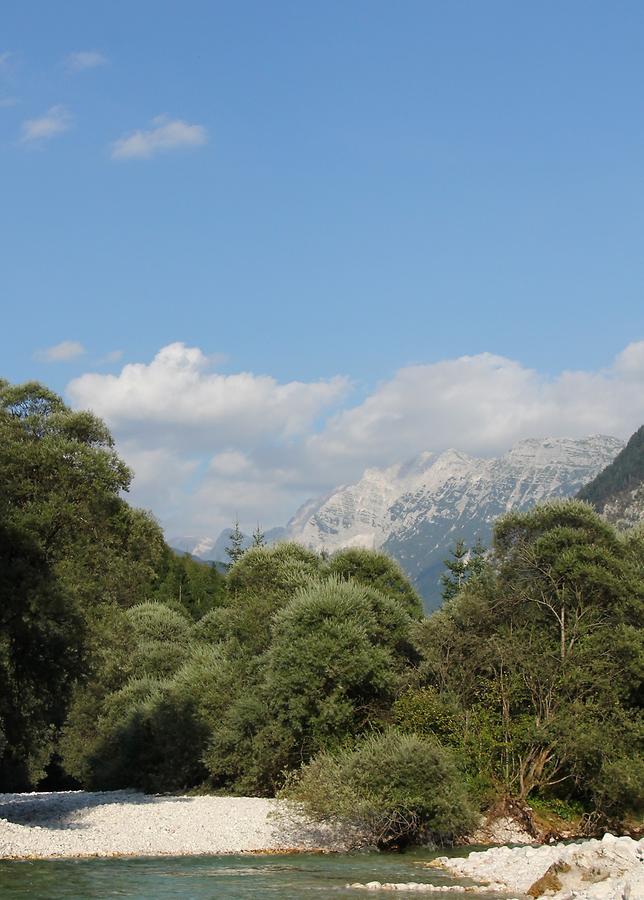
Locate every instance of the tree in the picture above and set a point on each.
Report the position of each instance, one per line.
(235, 550)
(332, 671)
(259, 539)
(542, 650)
(189, 584)
(454, 579)
(260, 583)
(72, 549)
(376, 570)
(463, 565)
(41, 645)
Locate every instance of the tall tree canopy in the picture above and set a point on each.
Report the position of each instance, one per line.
(70, 548)
(535, 667)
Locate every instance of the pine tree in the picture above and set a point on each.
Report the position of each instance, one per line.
(476, 559)
(259, 539)
(464, 564)
(236, 550)
(455, 577)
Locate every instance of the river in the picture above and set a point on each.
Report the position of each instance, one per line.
(289, 877)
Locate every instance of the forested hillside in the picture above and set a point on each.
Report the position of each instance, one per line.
(123, 665)
(618, 491)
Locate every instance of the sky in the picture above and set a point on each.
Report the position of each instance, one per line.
(274, 243)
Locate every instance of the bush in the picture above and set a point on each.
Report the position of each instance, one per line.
(263, 581)
(148, 739)
(619, 790)
(334, 664)
(376, 570)
(393, 788)
(162, 638)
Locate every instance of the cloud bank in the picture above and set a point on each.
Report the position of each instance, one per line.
(166, 134)
(207, 447)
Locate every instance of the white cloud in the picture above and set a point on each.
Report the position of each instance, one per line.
(229, 462)
(483, 404)
(63, 352)
(630, 362)
(84, 59)
(207, 446)
(166, 134)
(178, 396)
(56, 120)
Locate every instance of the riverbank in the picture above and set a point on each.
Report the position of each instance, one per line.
(124, 823)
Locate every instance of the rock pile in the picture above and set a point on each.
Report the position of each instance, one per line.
(610, 869)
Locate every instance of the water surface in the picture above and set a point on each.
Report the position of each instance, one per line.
(201, 878)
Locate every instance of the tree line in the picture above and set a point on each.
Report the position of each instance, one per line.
(125, 665)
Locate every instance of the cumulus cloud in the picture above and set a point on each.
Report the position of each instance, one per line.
(207, 446)
(63, 352)
(165, 134)
(178, 396)
(84, 59)
(483, 404)
(55, 121)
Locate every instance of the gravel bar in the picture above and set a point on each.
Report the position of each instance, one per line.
(126, 823)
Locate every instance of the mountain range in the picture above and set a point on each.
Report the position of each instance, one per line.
(416, 511)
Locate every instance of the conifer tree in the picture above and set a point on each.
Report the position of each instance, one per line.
(464, 564)
(235, 550)
(259, 539)
(456, 576)
(476, 560)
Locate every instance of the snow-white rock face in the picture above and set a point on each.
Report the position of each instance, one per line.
(417, 511)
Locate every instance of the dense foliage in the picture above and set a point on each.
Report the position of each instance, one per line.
(533, 671)
(123, 664)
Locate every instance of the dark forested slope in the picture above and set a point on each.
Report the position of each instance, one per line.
(618, 491)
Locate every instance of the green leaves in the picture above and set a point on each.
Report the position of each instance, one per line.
(69, 548)
(391, 789)
(543, 653)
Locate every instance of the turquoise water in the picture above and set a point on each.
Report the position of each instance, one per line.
(206, 877)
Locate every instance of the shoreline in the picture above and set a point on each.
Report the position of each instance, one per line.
(80, 825)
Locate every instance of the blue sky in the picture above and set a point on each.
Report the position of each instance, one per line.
(313, 190)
